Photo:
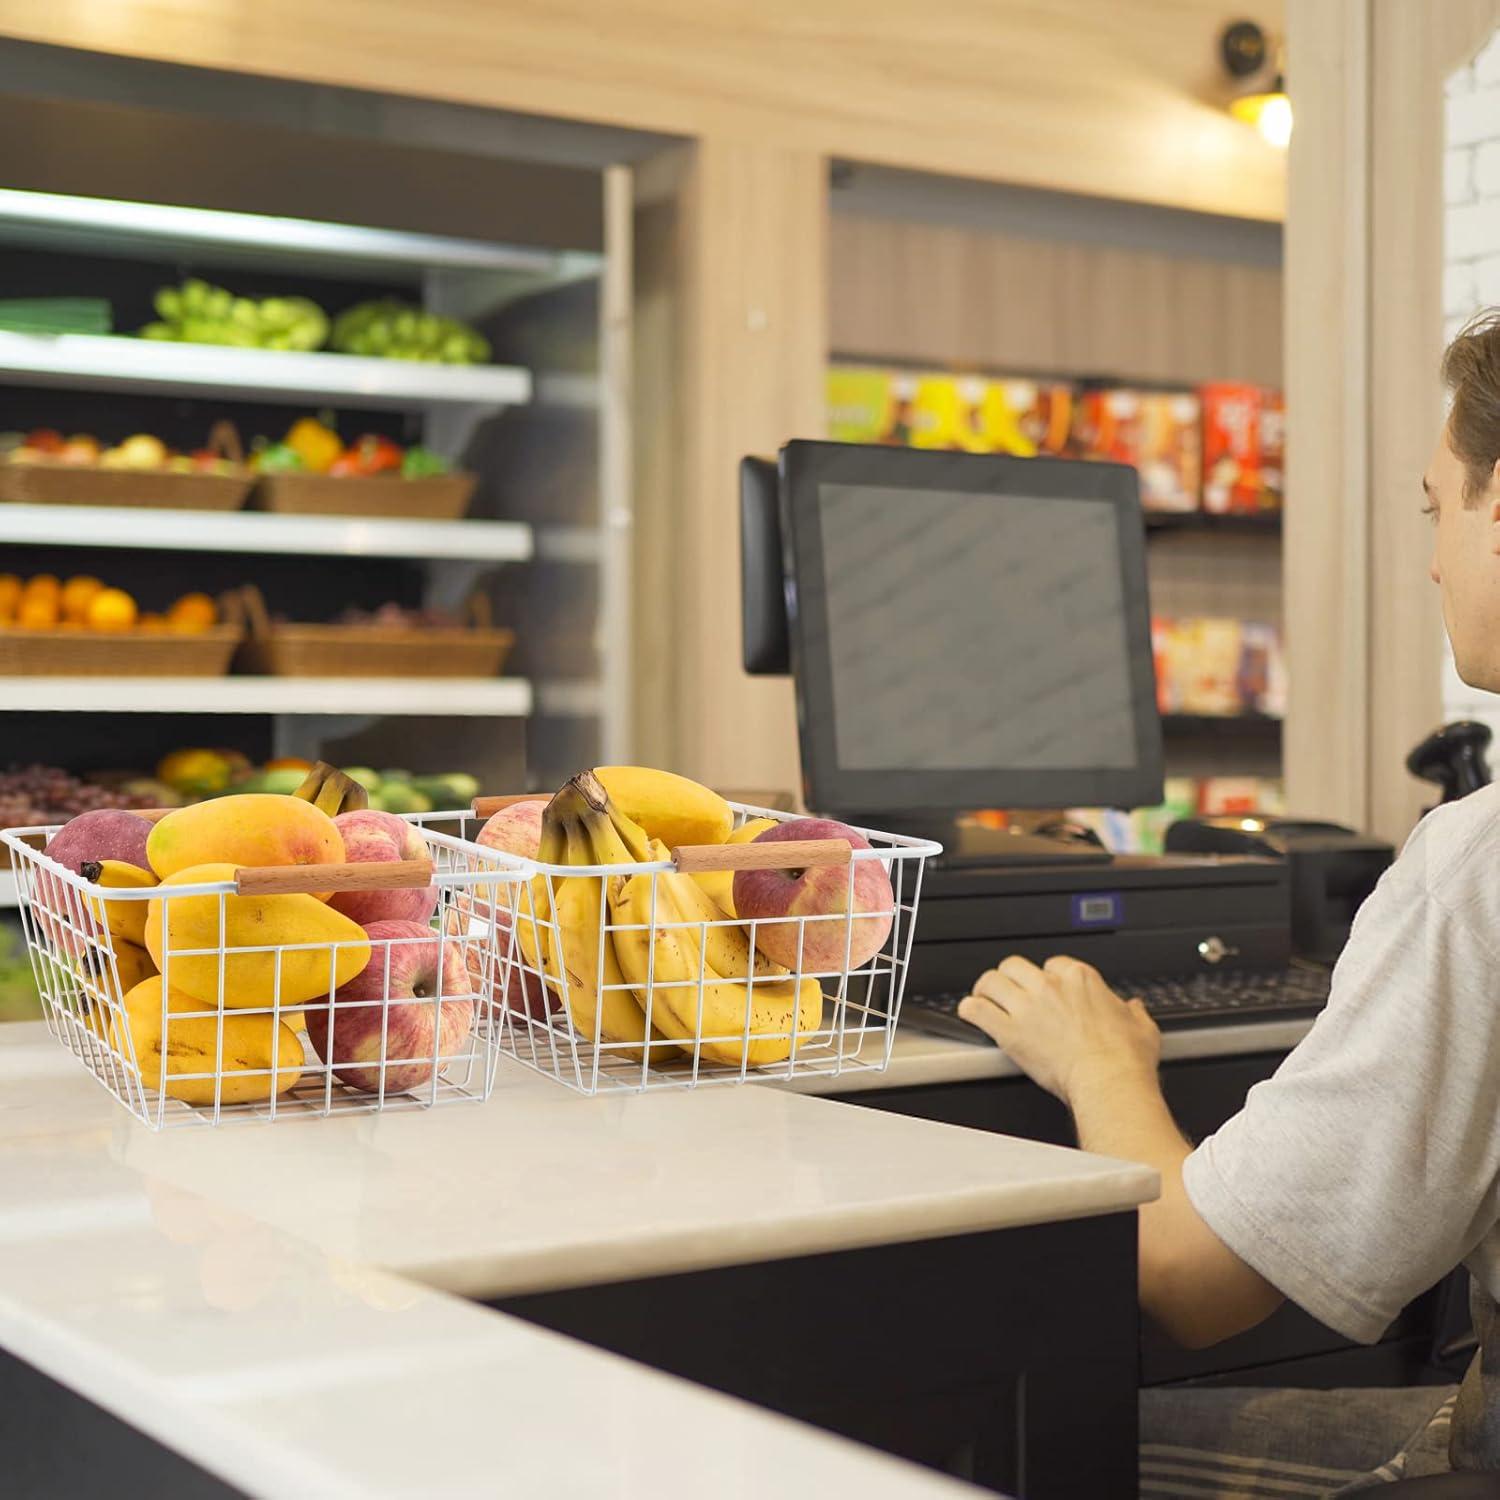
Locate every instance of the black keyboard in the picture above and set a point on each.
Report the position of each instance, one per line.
(1174, 1001)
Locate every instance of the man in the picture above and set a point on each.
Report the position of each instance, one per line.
(1369, 1166)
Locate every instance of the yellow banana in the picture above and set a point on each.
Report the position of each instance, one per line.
(719, 884)
(669, 807)
(126, 919)
(533, 914)
(687, 998)
(610, 1014)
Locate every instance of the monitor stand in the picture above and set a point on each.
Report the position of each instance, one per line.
(970, 845)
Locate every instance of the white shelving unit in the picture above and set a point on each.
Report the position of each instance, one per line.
(94, 362)
(258, 531)
(362, 697)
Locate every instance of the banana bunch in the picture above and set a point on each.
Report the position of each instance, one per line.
(627, 947)
(331, 791)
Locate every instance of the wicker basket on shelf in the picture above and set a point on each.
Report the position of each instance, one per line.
(275, 649)
(146, 489)
(439, 497)
(125, 653)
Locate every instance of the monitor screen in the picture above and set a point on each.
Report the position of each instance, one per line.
(969, 631)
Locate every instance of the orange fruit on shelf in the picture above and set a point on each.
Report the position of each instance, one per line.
(10, 595)
(193, 612)
(287, 763)
(157, 624)
(37, 612)
(44, 584)
(111, 609)
(76, 596)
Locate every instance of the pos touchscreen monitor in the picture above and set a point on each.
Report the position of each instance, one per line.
(968, 631)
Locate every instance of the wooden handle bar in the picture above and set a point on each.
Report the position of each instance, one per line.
(487, 807)
(788, 854)
(370, 875)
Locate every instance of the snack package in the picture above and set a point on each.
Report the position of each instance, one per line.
(1028, 417)
(1220, 796)
(1205, 664)
(946, 413)
(1261, 679)
(1156, 431)
(861, 405)
(1162, 661)
(1243, 445)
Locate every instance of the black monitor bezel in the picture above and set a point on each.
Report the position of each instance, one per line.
(804, 467)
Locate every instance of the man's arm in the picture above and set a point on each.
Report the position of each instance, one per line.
(1065, 1028)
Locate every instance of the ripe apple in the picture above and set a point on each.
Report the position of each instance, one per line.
(104, 833)
(516, 830)
(382, 836)
(761, 895)
(427, 975)
(524, 993)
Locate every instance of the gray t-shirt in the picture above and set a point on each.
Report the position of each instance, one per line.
(1369, 1165)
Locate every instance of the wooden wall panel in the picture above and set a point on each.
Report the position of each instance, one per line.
(1118, 100)
(731, 339)
(952, 295)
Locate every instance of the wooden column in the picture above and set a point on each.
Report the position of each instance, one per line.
(731, 340)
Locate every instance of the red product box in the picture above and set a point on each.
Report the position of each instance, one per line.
(1157, 432)
(1243, 448)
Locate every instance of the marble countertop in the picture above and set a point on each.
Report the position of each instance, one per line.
(213, 1285)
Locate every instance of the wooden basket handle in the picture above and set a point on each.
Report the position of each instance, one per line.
(224, 439)
(369, 875)
(487, 807)
(788, 854)
(478, 610)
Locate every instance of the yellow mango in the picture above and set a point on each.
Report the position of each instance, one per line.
(251, 922)
(254, 828)
(192, 1046)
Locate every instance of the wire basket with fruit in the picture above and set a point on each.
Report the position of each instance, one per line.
(667, 938)
(262, 956)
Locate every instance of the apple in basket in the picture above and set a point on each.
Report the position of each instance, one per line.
(103, 834)
(822, 892)
(524, 993)
(516, 830)
(370, 835)
(414, 976)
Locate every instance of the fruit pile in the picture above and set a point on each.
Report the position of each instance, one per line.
(237, 968)
(311, 446)
(141, 451)
(197, 313)
(35, 796)
(194, 774)
(43, 602)
(675, 948)
(391, 329)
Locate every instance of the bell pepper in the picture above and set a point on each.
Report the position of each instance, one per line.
(371, 454)
(315, 443)
(278, 458)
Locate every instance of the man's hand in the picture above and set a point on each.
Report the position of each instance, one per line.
(1062, 1024)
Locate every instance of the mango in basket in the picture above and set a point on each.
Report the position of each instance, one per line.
(192, 959)
(192, 1046)
(250, 828)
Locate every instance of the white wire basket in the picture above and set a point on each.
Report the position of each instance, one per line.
(164, 996)
(657, 989)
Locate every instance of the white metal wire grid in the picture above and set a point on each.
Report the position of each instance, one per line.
(266, 1031)
(700, 1030)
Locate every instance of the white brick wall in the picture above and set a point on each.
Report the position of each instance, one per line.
(1471, 261)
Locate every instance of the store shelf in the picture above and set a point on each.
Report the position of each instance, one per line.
(99, 363)
(103, 226)
(261, 531)
(1259, 728)
(359, 697)
(1199, 521)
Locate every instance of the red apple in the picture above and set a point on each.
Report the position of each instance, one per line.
(382, 836)
(524, 993)
(763, 895)
(412, 975)
(516, 830)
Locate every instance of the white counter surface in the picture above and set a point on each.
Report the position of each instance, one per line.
(214, 1286)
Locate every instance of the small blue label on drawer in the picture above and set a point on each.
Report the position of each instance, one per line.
(1097, 909)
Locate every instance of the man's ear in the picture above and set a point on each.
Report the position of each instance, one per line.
(1494, 506)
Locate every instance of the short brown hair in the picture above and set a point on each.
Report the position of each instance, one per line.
(1471, 371)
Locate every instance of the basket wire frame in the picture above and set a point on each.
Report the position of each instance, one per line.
(861, 1000)
(77, 963)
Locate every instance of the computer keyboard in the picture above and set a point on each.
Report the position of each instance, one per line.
(1174, 1001)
